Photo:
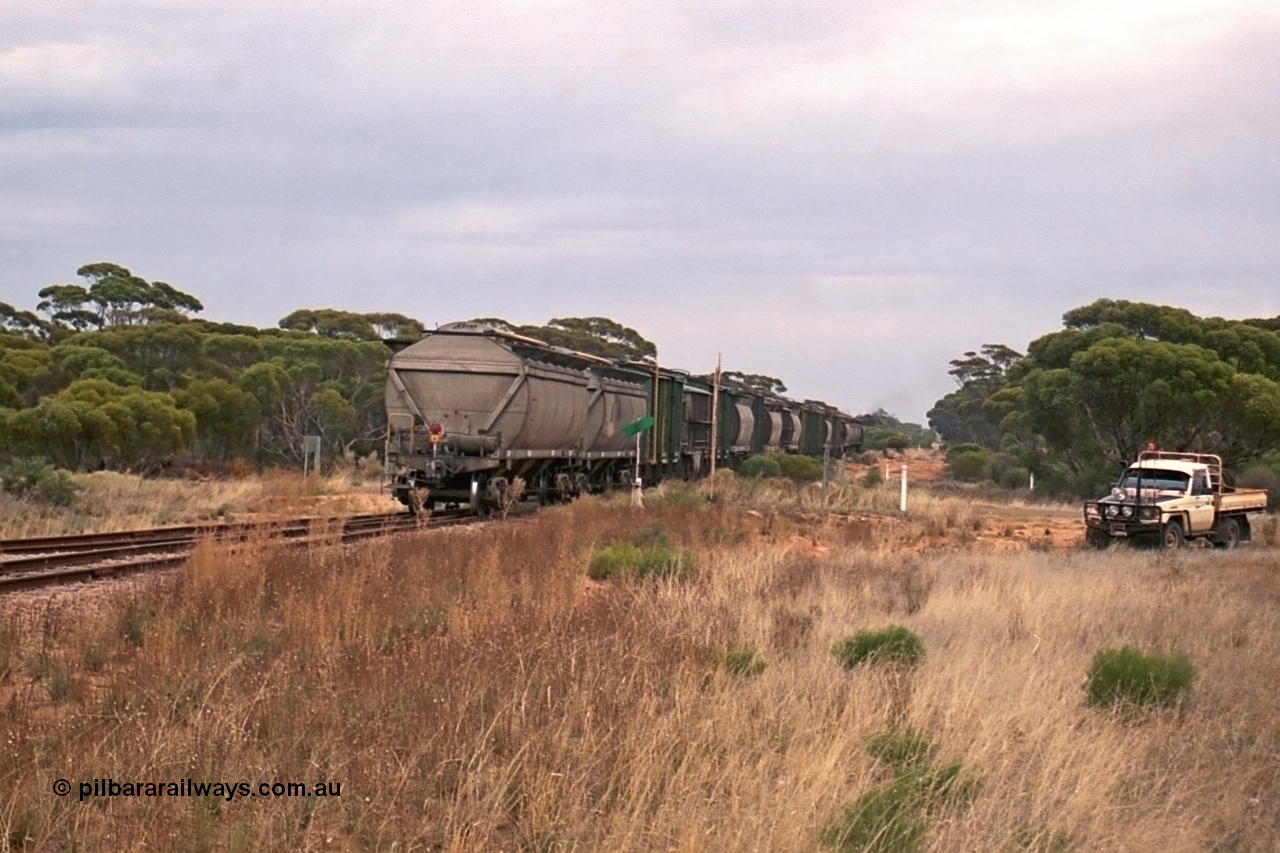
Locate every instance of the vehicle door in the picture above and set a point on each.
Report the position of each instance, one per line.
(1202, 511)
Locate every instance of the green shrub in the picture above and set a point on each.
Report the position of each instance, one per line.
(886, 819)
(1128, 677)
(964, 447)
(893, 817)
(896, 441)
(21, 476)
(9, 398)
(997, 465)
(613, 559)
(649, 554)
(885, 438)
(664, 562)
(901, 748)
(970, 465)
(1015, 478)
(759, 467)
(874, 477)
(58, 489)
(1093, 480)
(802, 469)
(1055, 480)
(37, 479)
(892, 645)
(744, 662)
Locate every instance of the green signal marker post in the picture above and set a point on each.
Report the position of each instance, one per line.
(636, 428)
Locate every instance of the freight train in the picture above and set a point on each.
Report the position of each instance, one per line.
(481, 417)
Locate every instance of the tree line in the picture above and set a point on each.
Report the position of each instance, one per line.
(1085, 400)
(117, 372)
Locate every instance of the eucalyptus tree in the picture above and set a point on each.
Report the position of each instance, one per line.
(1119, 376)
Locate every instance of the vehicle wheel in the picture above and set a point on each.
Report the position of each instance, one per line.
(1171, 535)
(1230, 537)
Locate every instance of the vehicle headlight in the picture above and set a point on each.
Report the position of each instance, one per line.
(1126, 511)
(1148, 512)
(1112, 510)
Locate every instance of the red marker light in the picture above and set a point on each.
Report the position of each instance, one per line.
(435, 428)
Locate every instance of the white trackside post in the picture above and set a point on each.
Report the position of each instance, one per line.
(637, 487)
(902, 501)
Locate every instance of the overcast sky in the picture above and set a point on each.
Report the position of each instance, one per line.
(842, 194)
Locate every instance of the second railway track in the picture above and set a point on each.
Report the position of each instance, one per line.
(49, 560)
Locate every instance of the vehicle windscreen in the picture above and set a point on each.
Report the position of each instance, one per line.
(1155, 478)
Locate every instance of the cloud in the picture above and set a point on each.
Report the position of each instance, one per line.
(846, 195)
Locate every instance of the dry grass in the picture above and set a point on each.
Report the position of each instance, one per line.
(110, 501)
(472, 691)
(844, 493)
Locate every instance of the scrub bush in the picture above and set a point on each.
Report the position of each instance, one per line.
(1015, 478)
(901, 748)
(744, 662)
(1128, 677)
(759, 467)
(894, 644)
(997, 465)
(970, 465)
(650, 553)
(37, 479)
(894, 817)
(802, 469)
(886, 819)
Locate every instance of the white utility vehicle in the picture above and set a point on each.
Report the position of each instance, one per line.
(1170, 498)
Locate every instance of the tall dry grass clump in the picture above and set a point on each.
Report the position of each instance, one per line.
(473, 690)
(107, 501)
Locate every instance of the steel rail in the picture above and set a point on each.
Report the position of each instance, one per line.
(45, 561)
(186, 533)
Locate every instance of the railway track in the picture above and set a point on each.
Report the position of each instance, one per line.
(49, 560)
